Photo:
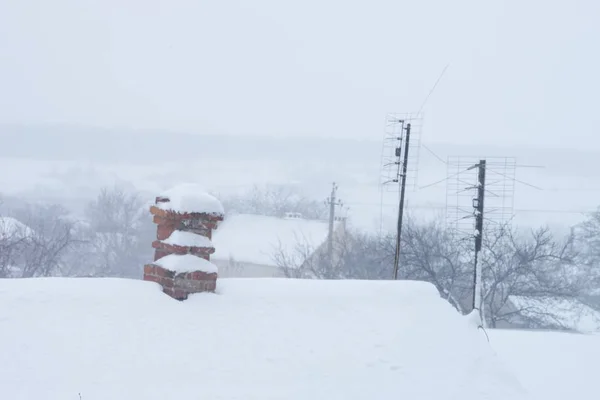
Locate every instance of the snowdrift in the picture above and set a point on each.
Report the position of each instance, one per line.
(255, 339)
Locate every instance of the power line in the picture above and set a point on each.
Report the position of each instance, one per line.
(441, 180)
(516, 180)
(433, 154)
(425, 102)
(443, 206)
(432, 89)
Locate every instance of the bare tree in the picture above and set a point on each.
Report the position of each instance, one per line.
(434, 254)
(367, 256)
(302, 261)
(356, 255)
(13, 240)
(274, 200)
(537, 267)
(41, 239)
(587, 239)
(120, 232)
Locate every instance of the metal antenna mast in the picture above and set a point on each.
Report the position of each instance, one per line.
(399, 168)
(478, 205)
(492, 179)
(406, 144)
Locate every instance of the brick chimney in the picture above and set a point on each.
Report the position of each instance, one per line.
(185, 218)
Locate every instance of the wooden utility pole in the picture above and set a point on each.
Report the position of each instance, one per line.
(333, 202)
(406, 143)
(478, 205)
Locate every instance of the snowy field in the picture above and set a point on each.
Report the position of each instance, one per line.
(255, 339)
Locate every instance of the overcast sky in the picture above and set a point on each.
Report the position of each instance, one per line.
(521, 72)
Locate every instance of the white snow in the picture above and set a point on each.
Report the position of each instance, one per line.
(570, 314)
(185, 263)
(190, 198)
(551, 365)
(257, 238)
(13, 228)
(187, 239)
(255, 339)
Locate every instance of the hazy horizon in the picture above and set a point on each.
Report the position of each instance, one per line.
(70, 167)
(519, 73)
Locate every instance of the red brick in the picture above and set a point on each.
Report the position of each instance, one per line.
(149, 269)
(160, 271)
(201, 276)
(152, 278)
(158, 212)
(163, 231)
(175, 249)
(158, 254)
(180, 294)
(166, 282)
(203, 252)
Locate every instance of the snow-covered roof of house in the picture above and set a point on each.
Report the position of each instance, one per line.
(565, 313)
(13, 228)
(257, 238)
(255, 339)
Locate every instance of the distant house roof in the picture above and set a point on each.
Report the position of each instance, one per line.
(552, 311)
(13, 228)
(257, 238)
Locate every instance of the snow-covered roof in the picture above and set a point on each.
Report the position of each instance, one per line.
(190, 198)
(185, 263)
(255, 339)
(13, 228)
(257, 238)
(551, 311)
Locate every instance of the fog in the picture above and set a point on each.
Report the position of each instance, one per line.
(70, 165)
(519, 73)
(235, 94)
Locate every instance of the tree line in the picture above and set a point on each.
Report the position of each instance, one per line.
(114, 236)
